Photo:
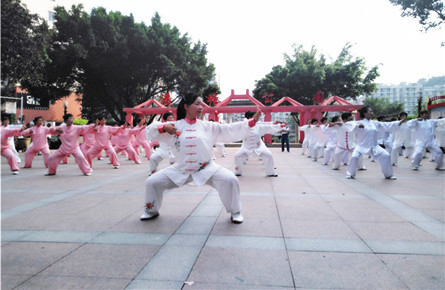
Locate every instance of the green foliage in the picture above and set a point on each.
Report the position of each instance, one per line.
(430, 13)
(116, 63)
(24, 46)
(304, 74)
(80, 122)
(382, 107)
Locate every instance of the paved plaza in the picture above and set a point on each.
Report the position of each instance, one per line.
(308, 228)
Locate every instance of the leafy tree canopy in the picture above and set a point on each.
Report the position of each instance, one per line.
(24, 46)
(430, 13)
(116, 63)
(304, 74)
(382, 107)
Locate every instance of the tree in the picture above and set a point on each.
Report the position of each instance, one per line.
(24, 46)
(116, 63)
(430, 13)
(382, 107)
(304, 74)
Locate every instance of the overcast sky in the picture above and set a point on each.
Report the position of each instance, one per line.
(246, 38)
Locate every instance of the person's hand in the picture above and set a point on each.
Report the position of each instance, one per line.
(257, 115)
(170, 128)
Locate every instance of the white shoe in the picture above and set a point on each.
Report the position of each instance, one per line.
(147, 215)
(139, 162)
(349, 176)
(15, 172)
(335, 168)
(116, 167)
(237, 218)
(440, 168)
(415, 168)
(88, 173)
(363, 169)
(391, 177)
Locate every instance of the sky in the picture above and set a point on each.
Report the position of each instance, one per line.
(246, 38)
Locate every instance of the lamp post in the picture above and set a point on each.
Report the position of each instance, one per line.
(419, 104)
(65, 107)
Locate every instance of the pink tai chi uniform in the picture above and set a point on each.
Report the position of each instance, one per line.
(103, 142)
(6, 149)
(70, 145)
(141, 140)
(124, 143)
(39, 143)
(88, 141)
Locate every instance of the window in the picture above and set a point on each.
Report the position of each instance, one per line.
(51, 15)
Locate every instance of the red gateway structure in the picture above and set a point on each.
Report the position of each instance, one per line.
(306, 112)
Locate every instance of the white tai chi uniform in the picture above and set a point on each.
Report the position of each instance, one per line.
(164, 150)
(424, 133)
(192, 146)
(367, 145)
(345, 144)
(331, 144)
(322, 139)
(252, 144)
(305, 143)
(12, 143)
(402, 137)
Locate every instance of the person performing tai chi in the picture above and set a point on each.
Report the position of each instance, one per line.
(6, 151)
(124, 141)
(69, 135)
(103, 142)
(331, 144)
(252, 144)
(140, 139)
(5, 123)
(367, 144)
(164, 150)
(193, 141)
(39, 142)
(424, 133)
(402, 137)
(88, 141)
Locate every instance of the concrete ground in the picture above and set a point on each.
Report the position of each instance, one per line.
(309, 228)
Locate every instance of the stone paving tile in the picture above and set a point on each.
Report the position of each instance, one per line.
(106, 261)
(417, 272)
(242, 268)
(12, 281)
(30, 258)
(68, 282)
(328, 270)
(317, 229)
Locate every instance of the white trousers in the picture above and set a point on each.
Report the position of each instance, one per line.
(435, 151)
(383, 158)
(342, 155)
(267, 157)
(396, 151)
(224, 181)
(328, 154)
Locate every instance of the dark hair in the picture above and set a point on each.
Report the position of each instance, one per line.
(423, 112)
(381, 118)
(166, 115)
(345, 116)
(334, 119)
(90, 122)
(37, 118)
(4, 118)
(323, 119)
(188, 99)
(66, 117)
(249, 114)
(314, 121)
(403, 114)
(363, 111)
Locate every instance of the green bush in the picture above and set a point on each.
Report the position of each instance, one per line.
(80, 122)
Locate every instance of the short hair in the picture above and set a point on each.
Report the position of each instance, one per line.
(381, 118)
(403, 114)
(334, 119)
(166, 115)
(37, 118)
(4, 118)
(363, 111)
(423, 112)
(346, 116)
(314, 120)
(249, 114)
(323, 119)
(67, 116)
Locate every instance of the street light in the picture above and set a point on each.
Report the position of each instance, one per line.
(65, 107)
(419, 104)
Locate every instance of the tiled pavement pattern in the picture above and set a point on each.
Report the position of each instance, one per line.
(309, 228)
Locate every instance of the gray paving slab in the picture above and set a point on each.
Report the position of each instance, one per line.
(308, 228)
